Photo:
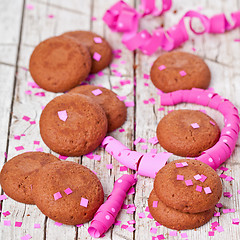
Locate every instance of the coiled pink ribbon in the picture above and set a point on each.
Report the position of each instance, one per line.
(123, 18)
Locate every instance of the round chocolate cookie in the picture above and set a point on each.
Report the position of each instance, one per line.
(95, 44)
(179, 70)
(188, 195)
(17, 175)
(115, 109)
(187, 133)
(67, 192)
(59, 64)
(73, 125)
(174, 219)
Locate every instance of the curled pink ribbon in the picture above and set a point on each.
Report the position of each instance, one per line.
(123, 18)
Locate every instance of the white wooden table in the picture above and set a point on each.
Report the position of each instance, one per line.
(24, 23)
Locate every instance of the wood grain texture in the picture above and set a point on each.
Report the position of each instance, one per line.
(29, 27)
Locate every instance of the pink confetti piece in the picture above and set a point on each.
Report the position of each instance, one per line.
(141, 215)
(97, 40)
(212, 123)
(113, 65)
(40, 94)
(203, 178)
(100, 74)
(58, 224)
(3, 197)
(155, 204)
(32, 122)
(195, 125)
(219, 229)
(51, 16)
(229, 178)
(207, 190)
(131, 222)
(123, 62)
(37, 225)
(144, 147)
(109, 166)
(180, 177)
(182, 73)
(228, 210)
(125, 82)
(198, 188)
(160, 237)
(7, 223)
(153, 140)
(216, 214)
(36, 142)
(173, 233)
(97, 56)
(18, 224)
(121, 98)
(93, 18)
(129, 104)
(33, 85)
(184, 235)
(161, 109)
(84, 202)
(227, 194)
(223, 168)
(97, 92)
(19, 148)
(138, 140)
(189, 182)
(146, 76)
(219, 205)
(235, 221)
(68, 191)
(30, 7)
(28, 92)
(79, 225)
(131, 191)
(62, 115)
(39, 149)
(197, 177)
(121, 130)
(57, 196)
(117, 223)
(97, 157)
(147, 209)
(238, 191)
(162, 67)
(153, 230)
(26, 118)
(17, 137)
(145, 101)
(150, 216)
(26, 237)
(146, 84)
(152, 100)
(210, 233)
(7, 213)
(123, 168)
(130, 228)
(124, 226)
(237, 40)
(194, 49)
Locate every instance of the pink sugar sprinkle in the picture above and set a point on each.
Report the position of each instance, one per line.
(51, 16)
(63, 115)
(123, 168)
(109, 166)
(182, 73)
(207, 190)
(162, 67)
(62, 157)
(147, 209)
(26, 237)
(121, 130)
(37, 225)
(6, 213)
(3, 197)
(210, 233)
(93, 18)
(184, 235)
(97, 40)
(173, 233)
(68, 191)
(146, 84)
(19, 148)
(97, 92)
(130, 228)
(26, 118)
(129, 104)
(131, 222)
(79, 225)
(124, 226)
(17, 137)
(197, 177)
(153, 230)
(57, 195)
(212, 123)
(198, 188)
(84, 202)
(117, 223)
(235, 221)
(36, 142)
(195, 125)
(216, 214)
(7, 223)
(144, 147)
(229, 178)
(203, 178)
(146, 76)
(32, 122)
(39, 149)
(18, 224)
(97, 56)
(141, 215)
(189, 182)
(40, 94)
(150, 216)
(227, 194)
(160, 237)
(28, 92)
(155, 204)
(158, 224)
(180, 177)
(58, 224)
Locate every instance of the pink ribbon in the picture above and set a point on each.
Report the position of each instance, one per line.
(223, 149)
(123, 18)
(108, 211)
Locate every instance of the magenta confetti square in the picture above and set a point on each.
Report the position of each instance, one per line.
(122, 130)
(158, 224)
(162, 67)
(109, 166)
(131, 191)
(155, 204)
(124, 226)
(79, 225)
(58, 224)
(219, 229)
(147, 209)
(198, 188)
(121, 98)
(36, 142)
(219, 205)
(216, 214)
(62, 157)
(131, 222)
(160, 237)
(130, 228)
(97, 56)
(26, 118)
(63, 115)
(235, 221)
(97, 157)
(189, 182)
(19, 148)
(146, 76)
(68, 191)
(210, 233)
(207, 190)
(37, 225)
(97, 92)
(180, 177)
(7, 213)
(97, 40)
(195, 125)
(18, 224)
(178, 165)
(57, 195)
(182, 73)
(150, 216)
(32, 122)
(129, 104)
(185, 164)
(17, 137)
(117, 223)
(123, 168)
(84, 202)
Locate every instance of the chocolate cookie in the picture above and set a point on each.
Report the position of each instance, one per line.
(174, 219)
(115, 109)
(73, 125)
(17, 175)
(67, 192)
(188, 195)
(179, 70)
(59, 64)
(187, 133)
(95, 44)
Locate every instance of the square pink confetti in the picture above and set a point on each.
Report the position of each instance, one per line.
(97, 56)
(62, 157)
(207, 190)
(184, 235)
(131, 222)
(26, 118)
(180, 177)
(235, 221)
(173, 233)
(36, 142)
(219, 229)
(62, 115)
(182, 73)
(18, 224)
(185, 164)
(68, 191)
(162, 67)
(195, 125)
(141, 215)
(197, 177)
(130, 228)
(216, 214)
(109, 166)
(210, 233)
(121, 98)
(153, 140)
(223, 168)
(203, 178)
(161, 109)
(84, 202)
(79, 225)
(189, 182)
(19, 148)
(7, 223)
(58, 224)
(153, 230)
(32, 122)
(198, 188)
(146, 76)
(131, 191)
(97, 157)
(97, 92)
(144, 147)
(117, 223)
(123, 168)
(155, 204)
(37, 225)
(3, 197)
(212, 123)
(26, 237)
(7, 213)
(57, 195)
(129, 104)
(97, 40)
(160, 237)
(219, 205)
(17, 137)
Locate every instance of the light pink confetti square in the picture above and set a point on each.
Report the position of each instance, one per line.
(180, 177)
(229, 178)
(3, 197)
(146, 76)
(160, 237)
(185, 164)
(147, 209)
(62, 115)
(19, 148)
(203, 178)
(97, 157)
(109, 166)
(26, 237)
(97, 40)
(117, 223)
(198, 188)
(79, 225)
(144, 147)
(7, 223)
(235, 221)
(39, 149)
(30, 7)
(150, 216)
(58, 224)
(57, 195)
(26, 118)
(162, 67)
(219, 229)
(84, 202)
(131, 222)
(195, 125)
(68, 191)
(93, 18)
(36, 142)
(173, 233)
(197, 177)
(130, 228)
(32, 122)
(161, 109)
(141, 215)
(189, 182)
(219, 205)
(121, 98)
(184, 235)
(97, 56)
(155, 204)
(97, 92)
(37, 225)
(178, 165)
(207, 190)
(216, 214)
(182, 73)
(122, 130)
(158, 224)
(153, 230)
(129, 104)
(51, 16)
(124, 226)
(18, 224)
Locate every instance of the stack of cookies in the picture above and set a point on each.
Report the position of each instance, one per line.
(184, 195)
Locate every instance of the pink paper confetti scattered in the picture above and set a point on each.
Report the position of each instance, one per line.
(117, 223)
(58, 224)
(189, 182)
(17, 137)
(32, 122)
(30, 7)
(124, 226)
(228, 210)
(51, 16)
(121, 98)
(109, 166)
(93, 18)
(28, 92)
(182, 73)
(40, 94)
(197, 177)
(146, 84)
(18, 224)
(146, 76)
(216, 214)
(19, 148)
(97, 157)
(68, 191)
(37, 225)
(36, 142)
(219, 229)
(223, 168)
(184, 235)
(97, 40)
(7, 223)
(84, 202)
(79, 225)
(33, 85)
(235, 221)
(57, 196)
(173, 233)
(97, 56)
(26, 118)
(131, 191)
(130, 228)
(129, 104)
(210, 233)
(158, 224)
(3, 197)
(131, 222)
(203, 178)
(237, 40)
(141, 215)
(26, 237)
(39, 149)
(207, 190)
(150, 216)
(212, 123)
(153, 140)
(63, 115)
(227, 194)
(180, 177)
(195, 125)
(153, 230)
(97, 92)
(122, 130)
(198, 188)
(155, 204)
(162, 67)
(123, 168)
(144, 147)
(160, 237)
(219, 205)
(7, 213)
(100, 74)
(161, 109)
(229, 178)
